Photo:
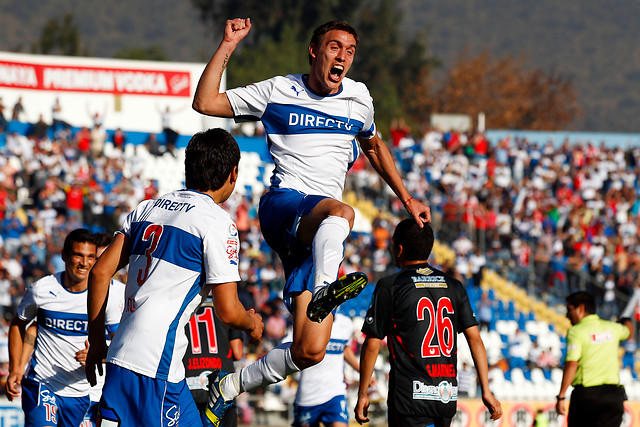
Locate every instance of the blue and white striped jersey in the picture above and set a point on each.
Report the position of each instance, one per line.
(311, 137)
(62, 322)
(181, 244)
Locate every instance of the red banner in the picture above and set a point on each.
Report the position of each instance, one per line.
(101, 80)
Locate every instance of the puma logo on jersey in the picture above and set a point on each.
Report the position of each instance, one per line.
(298, 92)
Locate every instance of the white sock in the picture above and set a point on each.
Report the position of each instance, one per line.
(328, 249)
(273, 367)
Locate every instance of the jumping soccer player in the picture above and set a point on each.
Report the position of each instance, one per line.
(316, 124)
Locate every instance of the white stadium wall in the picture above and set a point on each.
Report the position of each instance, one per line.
(129, 94)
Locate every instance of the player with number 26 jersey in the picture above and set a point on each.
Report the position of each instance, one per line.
(419, 309)
(179, 237)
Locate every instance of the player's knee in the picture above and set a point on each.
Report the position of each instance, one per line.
(344, 211)
(306, 357)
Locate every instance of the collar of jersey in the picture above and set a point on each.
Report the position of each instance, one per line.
(589, 318)
(304, 79)
(61, 281)
(200, 192)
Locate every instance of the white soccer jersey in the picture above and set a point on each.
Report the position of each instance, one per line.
(62, 322)
(311, 138)
(115, 304)
(320, 383)
(180, 243)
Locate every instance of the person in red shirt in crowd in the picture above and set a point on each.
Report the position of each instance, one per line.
(119, 138)
(151, 190)
(83, 138)
(75, 196)
(398, 130)
(480, 146)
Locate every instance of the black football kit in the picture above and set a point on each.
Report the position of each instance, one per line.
(420, 310)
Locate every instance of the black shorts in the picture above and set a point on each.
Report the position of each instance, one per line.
(601, 406)
(400, 420)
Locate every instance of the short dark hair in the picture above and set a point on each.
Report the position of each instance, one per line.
(103, 239)
(416, 242)
(318, 33)
(210, 157)
(582, 298)
(79, 235)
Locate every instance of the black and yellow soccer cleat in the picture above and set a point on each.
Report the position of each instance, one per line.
(331, 296)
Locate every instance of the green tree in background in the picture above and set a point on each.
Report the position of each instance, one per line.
(278, 45)
(271, 17)
(151, 53)
(60, 37)
(395, 70)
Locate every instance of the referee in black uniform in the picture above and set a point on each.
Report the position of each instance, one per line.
(591, 366)
(420, 310)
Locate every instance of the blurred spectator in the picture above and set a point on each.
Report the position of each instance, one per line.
(467, 381)
(40, 128)
(486, 309)
(98, 138)
(119, 139)
(519, 345)
(18, 110)
(3, 119)
(477, 261)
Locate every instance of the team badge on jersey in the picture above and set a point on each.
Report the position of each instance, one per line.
(233, 244)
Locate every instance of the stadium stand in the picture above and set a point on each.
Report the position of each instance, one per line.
(548, 193)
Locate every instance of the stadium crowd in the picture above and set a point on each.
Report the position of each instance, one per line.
(553, 219)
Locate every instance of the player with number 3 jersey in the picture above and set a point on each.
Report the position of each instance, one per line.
(178, 248)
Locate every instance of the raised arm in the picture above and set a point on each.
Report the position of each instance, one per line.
(479, 355)
(378, 154)
(208, 99)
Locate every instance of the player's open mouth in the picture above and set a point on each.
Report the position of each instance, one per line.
(336, 73)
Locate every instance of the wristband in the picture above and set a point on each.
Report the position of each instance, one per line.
(407, 201)
(560, 398)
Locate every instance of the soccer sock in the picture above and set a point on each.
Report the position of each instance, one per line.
(273, 367)
(328, 249)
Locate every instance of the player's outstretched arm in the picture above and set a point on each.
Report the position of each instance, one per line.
(232, 313)
(380, 158)
(368, 356)
(208, 99)
(115, 257)
(479, 355)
